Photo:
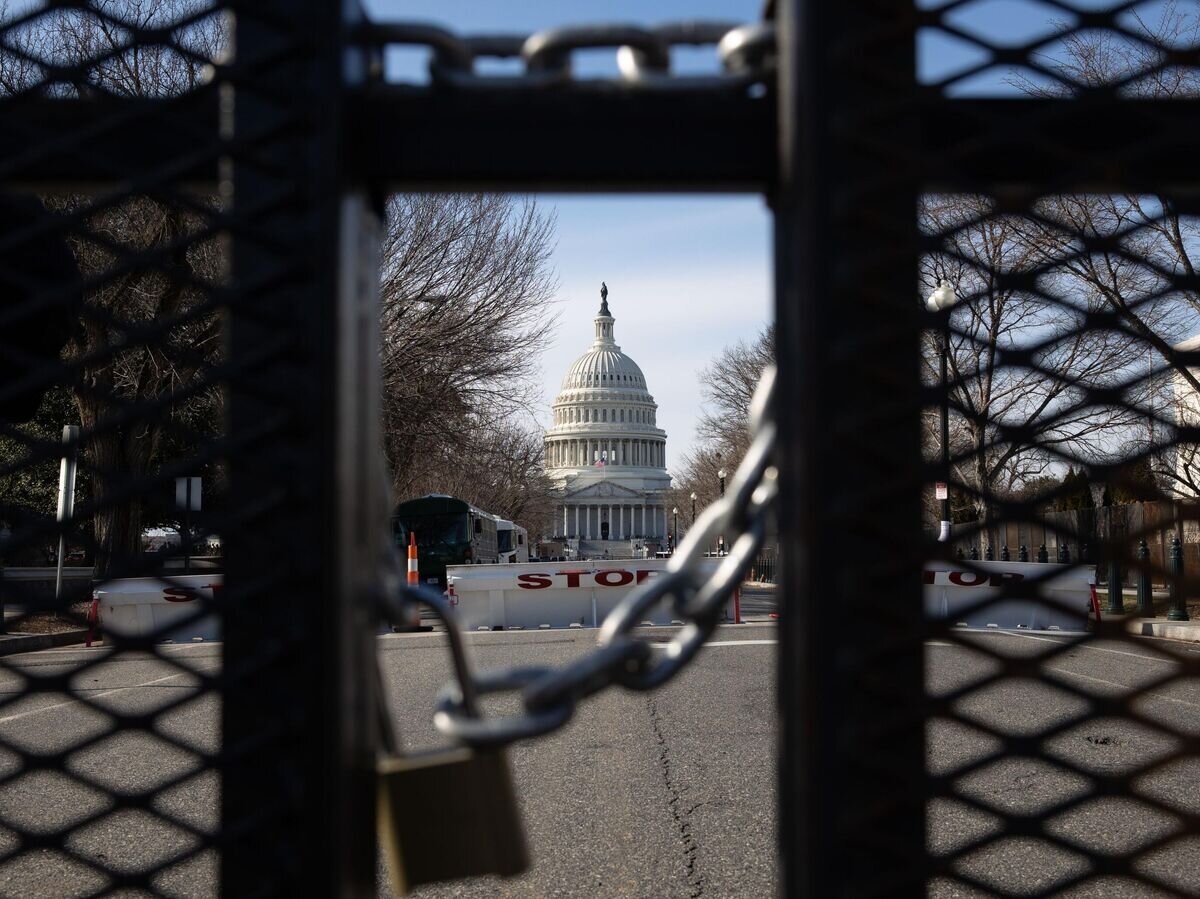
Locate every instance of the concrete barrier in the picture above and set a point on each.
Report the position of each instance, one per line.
(1060, 599)
(559, 594)
(138, 607)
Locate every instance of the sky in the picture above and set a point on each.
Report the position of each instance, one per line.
(687, 276)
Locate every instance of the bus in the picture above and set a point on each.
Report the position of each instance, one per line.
(512, 541)
(449, 531)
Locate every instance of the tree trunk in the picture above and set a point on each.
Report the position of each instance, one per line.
(116, 526)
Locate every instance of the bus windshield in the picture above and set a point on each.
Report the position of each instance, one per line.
(433, 530)
(504, 541)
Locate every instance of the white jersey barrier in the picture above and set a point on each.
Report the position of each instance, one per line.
(1059, 597)
(137, 607)
(558, 594)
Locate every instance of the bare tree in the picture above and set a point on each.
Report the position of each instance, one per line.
(499, 469)
(153, 257)
(727, 383)
(466, 295)
(1135, 253)
(1020, 361)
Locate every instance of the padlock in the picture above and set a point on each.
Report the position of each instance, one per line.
(449, 814)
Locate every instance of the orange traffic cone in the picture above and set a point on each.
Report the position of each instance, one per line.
(413, 577)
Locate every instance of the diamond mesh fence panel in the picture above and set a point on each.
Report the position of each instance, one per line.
(114, 299)
(1060, 368)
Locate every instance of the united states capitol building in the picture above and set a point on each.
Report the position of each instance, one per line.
(605, 453)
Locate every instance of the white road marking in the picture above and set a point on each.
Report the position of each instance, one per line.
(1151, 695)
(727, 643)
(1116, 652)
(59, 705)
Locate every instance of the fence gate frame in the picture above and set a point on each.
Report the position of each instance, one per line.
(840, 148)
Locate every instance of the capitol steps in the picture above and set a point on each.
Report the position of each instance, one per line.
(616, 549)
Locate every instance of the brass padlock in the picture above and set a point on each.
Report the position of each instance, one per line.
(449, 814)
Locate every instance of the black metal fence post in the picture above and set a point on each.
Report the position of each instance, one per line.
(1178, 610)
(1145, 595)
(297, 778)
(852, 744)
(1116, 591)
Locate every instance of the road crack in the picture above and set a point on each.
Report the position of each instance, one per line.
(681, 815)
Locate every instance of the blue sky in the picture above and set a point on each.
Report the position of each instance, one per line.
(687, 275)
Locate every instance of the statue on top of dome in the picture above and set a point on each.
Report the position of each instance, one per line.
(604, 299)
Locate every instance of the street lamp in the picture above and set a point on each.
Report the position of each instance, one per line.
(693, 521)
(675, 539)
(941, 299)
(721, 538)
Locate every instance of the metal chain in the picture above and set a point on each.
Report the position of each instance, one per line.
(746, 52)
(549, 695)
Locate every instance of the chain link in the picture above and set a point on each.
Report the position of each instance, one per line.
(745, 52)
(549, 695)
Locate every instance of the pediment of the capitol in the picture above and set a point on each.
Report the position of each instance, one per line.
(604, 490)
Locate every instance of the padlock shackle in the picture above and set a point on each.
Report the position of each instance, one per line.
(419, 593)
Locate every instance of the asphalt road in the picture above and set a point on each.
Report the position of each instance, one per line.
(666, 794)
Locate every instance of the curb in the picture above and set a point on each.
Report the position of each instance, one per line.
(1169, 630)
(33, 642)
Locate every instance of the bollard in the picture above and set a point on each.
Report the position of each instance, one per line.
(1116, 597)
(1178, 610)
(974, 553)
(1043, 556)
(1004, 553)
(1145, 598)
(988, 554)
(1022, 553)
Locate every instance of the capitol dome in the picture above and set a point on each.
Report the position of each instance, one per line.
(604, 365)
(605, 443)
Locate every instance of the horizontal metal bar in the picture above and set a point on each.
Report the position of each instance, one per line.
(597, 137)
(55, 144)
(1032, 146)
(588, 137)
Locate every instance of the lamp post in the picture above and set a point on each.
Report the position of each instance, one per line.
(675, 530)
(943, 298)
(721, 538)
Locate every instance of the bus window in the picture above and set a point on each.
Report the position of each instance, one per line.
(433, 530)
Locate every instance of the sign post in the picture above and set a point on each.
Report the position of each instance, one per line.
(187, 498)
(66, 498)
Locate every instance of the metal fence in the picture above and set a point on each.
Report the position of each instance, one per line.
(179, 252)
(187, 257)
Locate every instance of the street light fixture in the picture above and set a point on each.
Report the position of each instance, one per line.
(675, 531)
(721, 538)
(693, 521)
(943, 298)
